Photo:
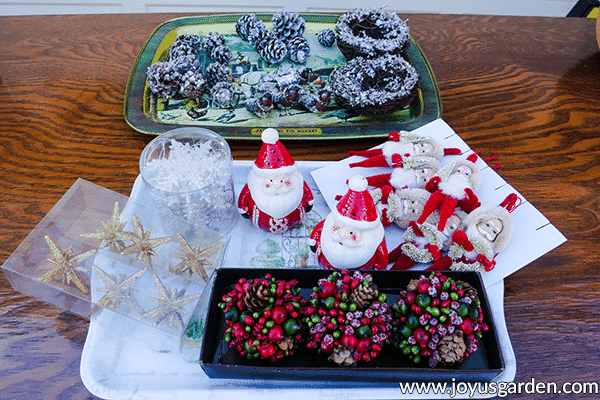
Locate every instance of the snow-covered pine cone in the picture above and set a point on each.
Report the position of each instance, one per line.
(223, 96)
(260, 106)
(185, 45)
(163, 79)
(217, 72)
(326, 37)
(213, 40)
(222, 54)
(272, 50)
(244, 25)
(193, 85)
(258, 32)
(298, 49)
(287, 25)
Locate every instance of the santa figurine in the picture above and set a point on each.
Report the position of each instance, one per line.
(484, 233)
(352, 235)
(401, 206)
(399, 149)
(454, 186)
(276, 198)
(413, 174)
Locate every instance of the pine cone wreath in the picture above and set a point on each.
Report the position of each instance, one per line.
(298, 49)
(221, 54)
(244, 25)
(217, 72)
(287, 25)
(163, 79)
(213, 40)
(263, 317)
(326, 37)
(272, 50)
(438, 320)
(338, 328)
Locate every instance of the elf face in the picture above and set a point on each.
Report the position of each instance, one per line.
(490, 229)
(423, 149)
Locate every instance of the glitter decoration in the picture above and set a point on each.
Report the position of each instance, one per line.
(142, 244)
(170, 305)
(65, 265)
(119, 289)
(195, 259)
(188, 172)
(110, 232)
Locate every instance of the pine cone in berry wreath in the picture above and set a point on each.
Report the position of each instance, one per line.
(298, 49)
(287, 25)
(263, 318)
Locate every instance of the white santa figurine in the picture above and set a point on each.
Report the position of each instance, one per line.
(276, 198)
(352, 235)
(484, 233)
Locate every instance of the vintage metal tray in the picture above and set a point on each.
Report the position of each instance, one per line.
(219, 361)
(148, 114)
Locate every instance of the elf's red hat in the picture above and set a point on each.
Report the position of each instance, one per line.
(357, 208)
(273, 158)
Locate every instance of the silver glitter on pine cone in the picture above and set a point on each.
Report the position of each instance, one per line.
(223, 95)
(222, 54)
(260, 106)
(185, 45)
(272, 50)
(163, 79)
(217, 72)
(326, 37)
(244, 25)
(287, 25)
(298, 49)
(258, 32)
(213, 40)
(193, 85)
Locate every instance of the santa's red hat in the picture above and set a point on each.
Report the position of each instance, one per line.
(273, 158)
(357, 208)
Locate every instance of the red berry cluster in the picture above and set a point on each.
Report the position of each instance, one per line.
(337, 323)
(438, 321)
(271, 332)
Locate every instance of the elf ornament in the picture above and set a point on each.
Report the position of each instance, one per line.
(399, 149)
(454, 186)
(348, 318)
(484, 233)
(352, 235)
(276, 197)
(441, 320)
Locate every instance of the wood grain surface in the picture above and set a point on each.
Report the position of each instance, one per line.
(526, 89)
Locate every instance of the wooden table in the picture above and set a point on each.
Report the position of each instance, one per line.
(527, 89)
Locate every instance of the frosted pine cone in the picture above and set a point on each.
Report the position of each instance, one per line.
(298, 49)
(221, 54)
(193, 85)
(213, 40)
(217, 72)
(326, 37)
(258, 32)
(260, 106)
(287, 25)
(223, 95)
(185, 45)
(272, 50)
(163, 79)
(244, 25)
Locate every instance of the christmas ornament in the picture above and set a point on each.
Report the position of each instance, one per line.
(263, 317)
(452, 187)
(212, 41)
(170, 305)
(276, 197)
(244, 25)
(348, 318)
(195, 259)
(399, 206)
(65, 265)
(415, 172)
(298, 49)
(326, 37)
(142, 245)
(287, 25)
(271, 49)
(217, 72)
(483, 234)
(119, 289)
(441, 321)
(352, 235)
(111, 232)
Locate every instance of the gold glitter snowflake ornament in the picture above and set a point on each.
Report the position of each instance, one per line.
(65, 265)
(195, 260)
(119, 289)
(142, 244)
(170, 305)
(111, 232)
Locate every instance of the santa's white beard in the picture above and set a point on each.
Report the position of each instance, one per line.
(275, 202)
(391, 148)
(343, 253)
(455, 186)
(475, 236)
(402, 178)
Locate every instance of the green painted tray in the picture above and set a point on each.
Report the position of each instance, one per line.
(148, 114)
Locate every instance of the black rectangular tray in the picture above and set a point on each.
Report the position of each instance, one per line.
(219, 361)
